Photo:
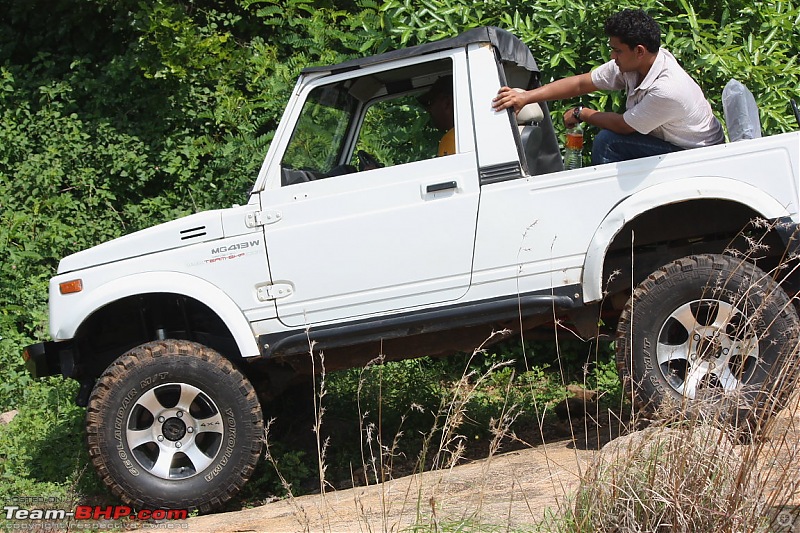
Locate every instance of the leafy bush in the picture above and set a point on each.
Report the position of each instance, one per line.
(43, 447)
(119, 116)
(755, 43)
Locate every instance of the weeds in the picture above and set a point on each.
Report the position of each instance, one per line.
(492, 405)
(688, 475)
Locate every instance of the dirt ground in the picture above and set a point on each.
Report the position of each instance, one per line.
(513, 488)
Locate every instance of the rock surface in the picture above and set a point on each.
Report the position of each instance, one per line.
(512, 489)
(7, 417)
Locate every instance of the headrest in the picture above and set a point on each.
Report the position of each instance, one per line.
(530, 113)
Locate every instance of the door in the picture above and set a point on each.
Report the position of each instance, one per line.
(345, 242)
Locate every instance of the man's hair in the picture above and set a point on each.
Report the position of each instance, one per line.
(634, 27)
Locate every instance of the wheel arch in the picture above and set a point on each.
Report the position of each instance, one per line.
(146, 297)
(699, 196)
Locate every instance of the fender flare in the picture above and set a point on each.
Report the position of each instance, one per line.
(163, 282)
(676, 191)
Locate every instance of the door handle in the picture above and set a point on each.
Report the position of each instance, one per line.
(444, 186)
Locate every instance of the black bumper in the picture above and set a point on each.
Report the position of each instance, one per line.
(49, 359)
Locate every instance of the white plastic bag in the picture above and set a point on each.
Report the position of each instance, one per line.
(741, 112)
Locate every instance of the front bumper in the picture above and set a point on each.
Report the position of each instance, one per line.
(49, 359)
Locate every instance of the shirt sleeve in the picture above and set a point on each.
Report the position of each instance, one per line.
(652, 111)
(607, 77)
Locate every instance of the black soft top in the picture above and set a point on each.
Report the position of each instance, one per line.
(508, 46)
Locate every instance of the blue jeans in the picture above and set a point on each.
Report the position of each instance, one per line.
(609, 147)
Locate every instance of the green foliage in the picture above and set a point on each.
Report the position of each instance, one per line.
(604, 378)
(529, 394)
(410, 135)
(15, 377)
(115, 116)
(536, 381)
(265, 483)
(42, 449)
(157, 110)
(756, 43)
(396, 396)
(398, 402)
(419, 22)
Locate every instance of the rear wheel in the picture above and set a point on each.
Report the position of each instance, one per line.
(173, 425)
(714, 332)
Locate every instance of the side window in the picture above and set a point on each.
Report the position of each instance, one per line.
(382, 119)
(397, 131)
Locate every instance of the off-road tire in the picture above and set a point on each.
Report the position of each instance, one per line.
(215, 418)
(713, 335)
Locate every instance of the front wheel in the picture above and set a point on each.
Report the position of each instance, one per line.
(716, 334)
(173, 425)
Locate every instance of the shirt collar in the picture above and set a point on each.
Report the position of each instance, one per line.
(658, 66)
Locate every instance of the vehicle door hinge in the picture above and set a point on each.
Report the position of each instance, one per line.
(274, 291)
(259, 218)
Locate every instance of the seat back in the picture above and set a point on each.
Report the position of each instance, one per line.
(530, 133)
(531, 137)
(741, 112)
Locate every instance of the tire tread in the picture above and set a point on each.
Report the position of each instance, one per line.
(113, 378)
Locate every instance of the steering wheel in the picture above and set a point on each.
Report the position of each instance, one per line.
(367, 161)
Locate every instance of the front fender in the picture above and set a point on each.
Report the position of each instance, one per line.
(681, 190)
(68, 312)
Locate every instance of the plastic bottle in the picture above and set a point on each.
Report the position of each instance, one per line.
(573, 148)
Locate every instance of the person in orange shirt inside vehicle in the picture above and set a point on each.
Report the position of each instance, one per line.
(438, 101)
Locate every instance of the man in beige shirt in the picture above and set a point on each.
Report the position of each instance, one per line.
(666, 110)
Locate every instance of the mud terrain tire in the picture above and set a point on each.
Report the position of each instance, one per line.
(174, 425)
(711, 333)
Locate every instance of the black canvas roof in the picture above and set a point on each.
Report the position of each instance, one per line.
(509, 47)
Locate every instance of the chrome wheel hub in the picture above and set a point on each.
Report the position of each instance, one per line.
(706, 344)
(174, 431)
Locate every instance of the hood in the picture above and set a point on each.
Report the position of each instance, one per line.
(200, 227)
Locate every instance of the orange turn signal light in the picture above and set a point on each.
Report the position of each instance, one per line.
(72, 286)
